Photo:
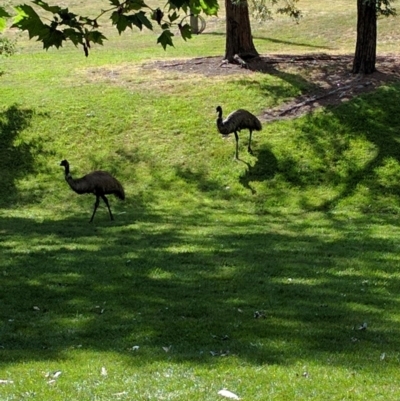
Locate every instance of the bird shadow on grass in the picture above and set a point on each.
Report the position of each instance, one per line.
(264, 169)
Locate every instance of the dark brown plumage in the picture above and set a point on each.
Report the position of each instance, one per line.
(235, 122)
(98, 183)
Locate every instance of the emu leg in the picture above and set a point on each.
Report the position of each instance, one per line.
(237, 145)
(96, 204)
(249, 147)
(108, 206)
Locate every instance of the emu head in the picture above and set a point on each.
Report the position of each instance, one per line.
(65, 164)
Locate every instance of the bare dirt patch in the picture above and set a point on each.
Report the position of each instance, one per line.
(328, 77)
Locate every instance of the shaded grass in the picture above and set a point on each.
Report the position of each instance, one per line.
(255, 276)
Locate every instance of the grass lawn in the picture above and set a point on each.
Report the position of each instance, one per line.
(275, 278)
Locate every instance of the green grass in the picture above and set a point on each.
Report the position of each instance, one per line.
(304, 236)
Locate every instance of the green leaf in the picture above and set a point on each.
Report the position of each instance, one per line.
(45, 6)
(135, 5)
(4, 13)
(141, 15)
(173, 17)
(185, 31)
(28, 20)
(68, 18)
(209, 7)
(120, 21)
(2, 24)
(51, 37)
(3, 18)
(75, 37)
(96, 37)
(165, 39)
(177, 3)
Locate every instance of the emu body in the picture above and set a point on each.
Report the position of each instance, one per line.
(98, 183)
(235, 122)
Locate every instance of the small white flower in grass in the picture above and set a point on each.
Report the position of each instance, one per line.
(167, 349)
(104, 371)
(228, 394)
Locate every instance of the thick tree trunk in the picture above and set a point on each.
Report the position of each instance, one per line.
(238, 31)
(365, 55)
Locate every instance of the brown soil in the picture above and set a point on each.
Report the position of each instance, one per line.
(327, 76)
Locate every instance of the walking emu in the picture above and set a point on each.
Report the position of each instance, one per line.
(236, 121)
(99, 183)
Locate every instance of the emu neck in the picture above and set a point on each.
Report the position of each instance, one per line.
(67, 173)
(220, 122)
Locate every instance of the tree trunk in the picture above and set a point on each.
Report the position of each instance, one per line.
(238, 31)
(365, 55)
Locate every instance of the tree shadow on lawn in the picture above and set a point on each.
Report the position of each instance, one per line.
(262, 295)
(16, 159)
(373, 117)
(343, 148)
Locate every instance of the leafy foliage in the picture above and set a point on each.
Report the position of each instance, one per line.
(384, 7)
(262, 9)
(81, 30)
(7, 47)
(3, 18)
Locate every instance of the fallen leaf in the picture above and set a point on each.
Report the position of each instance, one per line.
(259, 314)
(6, 381)
(57, 374)
(228, 394)
(363, 326)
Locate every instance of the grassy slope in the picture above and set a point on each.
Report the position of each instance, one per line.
(306, 235)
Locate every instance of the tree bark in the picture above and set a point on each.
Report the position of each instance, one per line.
(238, 31)
(365, 55)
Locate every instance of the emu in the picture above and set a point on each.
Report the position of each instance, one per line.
(236, 121)
(99, 183)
